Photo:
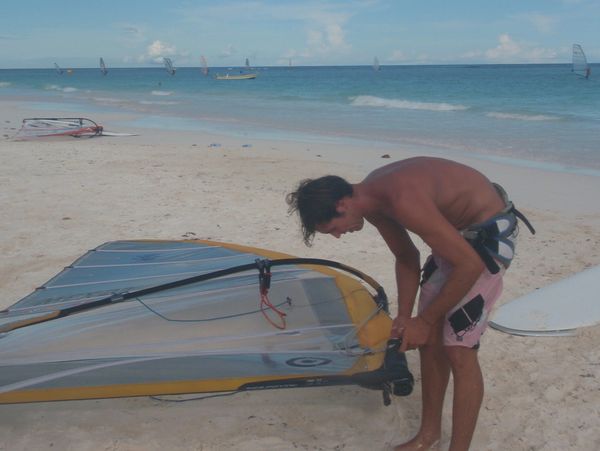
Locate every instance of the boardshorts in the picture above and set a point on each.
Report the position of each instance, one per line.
(494, 241)
(464, 324)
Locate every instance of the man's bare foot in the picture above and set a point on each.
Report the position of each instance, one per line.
(419, 444)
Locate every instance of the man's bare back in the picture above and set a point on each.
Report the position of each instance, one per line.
(463, 195)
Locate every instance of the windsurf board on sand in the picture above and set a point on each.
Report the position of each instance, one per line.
(555, 310)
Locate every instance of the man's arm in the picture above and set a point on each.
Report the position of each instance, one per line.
(421, 216)
(407, 266)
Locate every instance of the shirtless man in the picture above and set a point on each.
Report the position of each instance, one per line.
(444, 203)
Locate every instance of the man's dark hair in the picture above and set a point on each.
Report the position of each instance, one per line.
(315, 201)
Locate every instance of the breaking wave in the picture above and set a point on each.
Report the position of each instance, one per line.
(522, 117)
(4, 84)
(60, 88)
(162, 93)
(158, 102)
(107, 100)
(373, 101)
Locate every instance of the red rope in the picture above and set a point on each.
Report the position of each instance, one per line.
(265, 302)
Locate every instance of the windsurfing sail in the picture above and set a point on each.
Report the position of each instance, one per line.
(376, 64)
(103, 69)
(247, 63)
(169, 66)
(204, 65)
(580, 64)
(58, 69)
(136, 318)
(39, 127)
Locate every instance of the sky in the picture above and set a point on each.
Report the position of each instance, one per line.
(132, 33)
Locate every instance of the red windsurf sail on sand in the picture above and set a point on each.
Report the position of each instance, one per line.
(64, 126)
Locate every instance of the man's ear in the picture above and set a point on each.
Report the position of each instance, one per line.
(341, 206)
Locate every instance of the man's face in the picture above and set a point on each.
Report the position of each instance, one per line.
(348, 221)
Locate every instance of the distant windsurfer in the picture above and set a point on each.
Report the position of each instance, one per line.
(469, 224)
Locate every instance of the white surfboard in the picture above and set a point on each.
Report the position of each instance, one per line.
(557, 309)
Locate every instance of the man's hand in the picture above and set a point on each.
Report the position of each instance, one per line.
(398, 326)
(415, 333)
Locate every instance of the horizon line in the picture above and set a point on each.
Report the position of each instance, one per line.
(294, 66)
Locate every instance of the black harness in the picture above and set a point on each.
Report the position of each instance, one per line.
(492, 239)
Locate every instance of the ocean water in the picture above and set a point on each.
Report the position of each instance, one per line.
(529, 115)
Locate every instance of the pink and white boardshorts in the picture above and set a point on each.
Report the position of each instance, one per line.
(464, 324)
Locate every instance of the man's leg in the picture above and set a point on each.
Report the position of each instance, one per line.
(435, 372)
(468, 394)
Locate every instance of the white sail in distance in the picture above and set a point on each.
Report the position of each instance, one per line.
(580, 64)
(204, 65)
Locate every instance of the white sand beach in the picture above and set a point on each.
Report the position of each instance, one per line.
(62, 197)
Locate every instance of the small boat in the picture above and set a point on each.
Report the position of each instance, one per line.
(235, 77)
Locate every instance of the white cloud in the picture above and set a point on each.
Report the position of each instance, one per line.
(229, 51)
(325, 35)
(323, 23)
(131, 34)
(511, 51)
(159, 49)
(472, 55)
(541, 22)
(397, 56)
(507, 48)
(156, 51)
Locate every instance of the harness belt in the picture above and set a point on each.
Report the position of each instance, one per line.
(492, 239)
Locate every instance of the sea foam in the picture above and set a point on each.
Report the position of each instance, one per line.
(373, 101)
(60, 88)
(522, 117)
(108, 100)
(158, 102)
(162, 93)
